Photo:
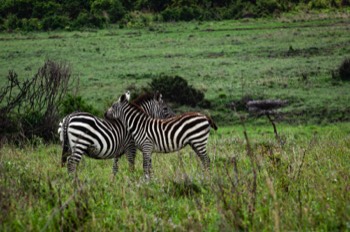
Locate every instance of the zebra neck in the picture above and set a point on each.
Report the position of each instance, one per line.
(135, 118)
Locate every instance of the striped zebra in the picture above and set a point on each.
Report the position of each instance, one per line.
(104, 138)
(163, 135)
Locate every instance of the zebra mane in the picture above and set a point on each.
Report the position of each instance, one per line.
(138, 107)
(146, 97)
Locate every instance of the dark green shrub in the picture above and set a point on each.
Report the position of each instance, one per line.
(12, 22)
(43, 9)
(155, 5)
(190, 13)
(234, 11)
(72, 104)
(112, 10)
(176, 89)
(73, 8)
(171, 14)
(2, 21)
(267, 7)
(55, 22)
(345, 3)
(137, 19)
(184, 13)
(97, 21)
(32, 24)
(86, 19)
(20, 8)
(318, 4)
(344, 70)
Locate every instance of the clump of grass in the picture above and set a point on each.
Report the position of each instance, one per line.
(183, 187)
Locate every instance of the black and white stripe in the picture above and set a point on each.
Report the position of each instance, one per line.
(163, 135)
(104, 138)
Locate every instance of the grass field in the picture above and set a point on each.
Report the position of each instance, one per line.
(255, 183)
(289, 58)
(300, 186)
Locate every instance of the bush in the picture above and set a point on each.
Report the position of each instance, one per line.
(171, 14)
(44, 9)
(20, 8)
(154, 5)
(319, 4)
(344, 70)
(12, 22)
(32, 24)
(185, 13)
(30, 108)
(267, 7)
(111, 10)
(73, 8)
(137, 19)
(234, 11)
(85, 19)
(55, 22)
(72, 104)
(176, 89)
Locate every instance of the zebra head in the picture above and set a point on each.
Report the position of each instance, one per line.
(154, 105)
(115, 110)
(164, 111)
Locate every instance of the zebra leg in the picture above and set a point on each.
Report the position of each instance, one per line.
(72, 164)
(73, 161)
(147, 161)
(130, 155)
(147, 165)
(201, 152)
(115, 165)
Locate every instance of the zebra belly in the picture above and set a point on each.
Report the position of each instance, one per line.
(168, 148)
(96, 153)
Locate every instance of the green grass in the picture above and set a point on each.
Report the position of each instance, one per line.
(301, 186)
(227, 60)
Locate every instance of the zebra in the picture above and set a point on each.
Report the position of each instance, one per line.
(104, 138)
(163, 135)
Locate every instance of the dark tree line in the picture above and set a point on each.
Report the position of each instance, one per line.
(75, 14)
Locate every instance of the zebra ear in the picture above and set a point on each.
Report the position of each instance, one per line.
(122, 98)
(158, 96)
(127, 95)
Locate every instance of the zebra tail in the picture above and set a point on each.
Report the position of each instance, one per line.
(65, 142)
(212, 123)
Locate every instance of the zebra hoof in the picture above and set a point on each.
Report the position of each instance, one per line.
(147, 178)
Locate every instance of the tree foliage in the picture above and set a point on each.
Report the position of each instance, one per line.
(75, 14)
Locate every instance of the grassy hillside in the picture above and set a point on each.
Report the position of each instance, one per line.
(289, 58)
(255, 183)
(300, 186)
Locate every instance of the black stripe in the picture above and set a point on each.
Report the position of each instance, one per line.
(187, 127)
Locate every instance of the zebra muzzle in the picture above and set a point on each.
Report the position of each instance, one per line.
(109, 113)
